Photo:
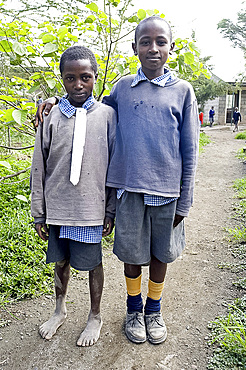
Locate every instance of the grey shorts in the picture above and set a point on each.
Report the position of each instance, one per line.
(82, 256)
(143, 231)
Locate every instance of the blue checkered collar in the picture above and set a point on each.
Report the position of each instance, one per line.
(160, 80)
(69, 110)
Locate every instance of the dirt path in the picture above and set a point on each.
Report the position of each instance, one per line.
(195, 291)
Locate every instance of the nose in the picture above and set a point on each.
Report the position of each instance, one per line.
(78, 84)
(153, 47)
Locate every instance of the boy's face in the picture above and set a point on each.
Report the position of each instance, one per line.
(153, 47)
(78, 78)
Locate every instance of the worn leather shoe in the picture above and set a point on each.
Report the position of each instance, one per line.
(156, 328)
(135, 327)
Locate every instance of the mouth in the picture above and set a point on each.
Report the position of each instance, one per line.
(153, 59)
(79, 95)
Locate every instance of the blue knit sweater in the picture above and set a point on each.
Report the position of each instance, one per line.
(157, 139)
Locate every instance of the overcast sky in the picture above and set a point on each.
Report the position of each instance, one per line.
(203, 17)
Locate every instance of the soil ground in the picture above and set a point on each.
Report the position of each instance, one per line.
(196, 290)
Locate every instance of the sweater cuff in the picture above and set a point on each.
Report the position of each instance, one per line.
(39, 220)
(110, 215)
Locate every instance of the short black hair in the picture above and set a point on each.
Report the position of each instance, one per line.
(78, 52)
(151, 19)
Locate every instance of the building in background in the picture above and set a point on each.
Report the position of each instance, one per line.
(224, 106)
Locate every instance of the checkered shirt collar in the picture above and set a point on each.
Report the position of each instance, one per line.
(69, 110)
(160, 80)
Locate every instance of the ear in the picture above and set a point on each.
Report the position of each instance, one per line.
(134, 48)
(96, 75)
(171, 47)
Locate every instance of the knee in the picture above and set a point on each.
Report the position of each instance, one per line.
(62, 264)
(132, 271)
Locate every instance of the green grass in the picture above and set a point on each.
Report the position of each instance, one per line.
(241, 135)
(203, 140)
(240, 187)
(241, 154)
(23, 271)
(229, 333)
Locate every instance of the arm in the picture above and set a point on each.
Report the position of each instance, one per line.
(177, 220)
(42, 231)
(38, 173)
(189, 146)
(111, 99)
(108, 226)
(45, 108)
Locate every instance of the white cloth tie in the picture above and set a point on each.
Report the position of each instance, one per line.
(78, 145)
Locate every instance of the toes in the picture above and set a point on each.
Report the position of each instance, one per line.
(85, 342)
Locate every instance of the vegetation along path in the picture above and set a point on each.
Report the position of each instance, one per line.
(196, 291)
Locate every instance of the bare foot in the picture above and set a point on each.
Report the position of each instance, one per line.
(92, 331)
(49, 328)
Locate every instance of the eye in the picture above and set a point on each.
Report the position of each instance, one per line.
(86, 78)
(69, 78)
(162, 42)
(144, 43)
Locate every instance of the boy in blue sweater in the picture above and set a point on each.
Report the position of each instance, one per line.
(153, 168)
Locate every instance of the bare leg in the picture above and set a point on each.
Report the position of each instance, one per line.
(93, 327)
(132, 271)
(49, 328)
(157, 270)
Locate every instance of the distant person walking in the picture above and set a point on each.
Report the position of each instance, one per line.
(236, 117)
(211, 116)
(201, 118)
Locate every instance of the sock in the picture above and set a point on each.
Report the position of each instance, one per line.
(152, 305)
(134, 298)
(134, 303)
(153, 302)
(133, 286)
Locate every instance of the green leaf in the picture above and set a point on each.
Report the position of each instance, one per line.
(121, 69)
(22, 176)
(93, 7)
(193, 47)
(133, 19)
(51, 82)
(49, 48)
(5, 164)
(15, 60)
(115, 22)
(19, 116)
(19, 48)
(31, 50)
(8, 115)
(48, 37)
(90, 19)
(62, 32)
(115, 2)
(150, 12)
(172, 65)
(7, 98)
(189, 58)
(141, 14)
(22, 197)
(206, 73)
(62, 29)
(72, 37)
(98, 87)
(36, 75)
(5, 46)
